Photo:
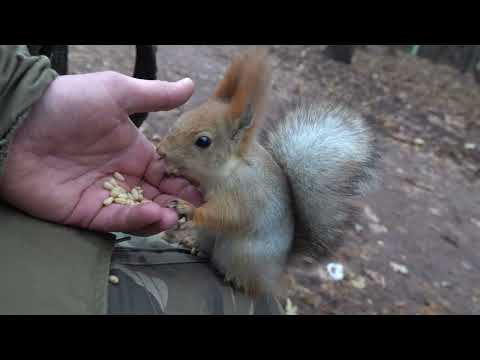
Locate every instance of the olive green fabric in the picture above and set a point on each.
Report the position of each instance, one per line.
(51, 269)
(23, 80)
(169, 282)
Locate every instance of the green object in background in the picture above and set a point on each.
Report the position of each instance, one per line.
(414, 50)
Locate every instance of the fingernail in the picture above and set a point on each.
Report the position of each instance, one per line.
(184, 81)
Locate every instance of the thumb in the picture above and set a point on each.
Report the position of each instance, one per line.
(136, 95)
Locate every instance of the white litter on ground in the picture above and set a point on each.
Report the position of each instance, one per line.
(335, 271)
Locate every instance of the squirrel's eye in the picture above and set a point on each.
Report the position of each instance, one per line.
(203, 142)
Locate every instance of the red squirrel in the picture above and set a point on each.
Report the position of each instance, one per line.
(266, 202)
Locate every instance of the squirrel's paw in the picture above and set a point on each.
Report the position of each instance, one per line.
(184, 210)
(170, 236)
(191, 243)
(185, 225)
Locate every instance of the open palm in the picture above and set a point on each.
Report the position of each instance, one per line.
(76, 136)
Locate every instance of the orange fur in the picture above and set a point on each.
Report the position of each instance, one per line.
(230, 211)
(221, 214)
(245, 83)
(262, 205)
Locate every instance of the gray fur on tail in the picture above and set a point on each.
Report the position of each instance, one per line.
(328, 153)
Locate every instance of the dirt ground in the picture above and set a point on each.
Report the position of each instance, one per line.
(416, 247)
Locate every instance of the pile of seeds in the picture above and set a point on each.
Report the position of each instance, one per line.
(120, 195)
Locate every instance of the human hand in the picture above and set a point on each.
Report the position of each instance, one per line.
(76, 136)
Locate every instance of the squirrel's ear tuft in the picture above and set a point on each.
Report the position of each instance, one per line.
(228, 86)
(245, 89)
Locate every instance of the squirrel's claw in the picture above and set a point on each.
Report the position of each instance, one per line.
(184, 210)
(190, 242)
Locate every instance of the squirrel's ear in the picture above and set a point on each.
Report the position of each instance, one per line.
(246, 119)
(244, 122)
(247, 78)
(228, 87)
(244, 89)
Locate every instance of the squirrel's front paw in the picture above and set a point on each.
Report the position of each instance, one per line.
(184, 210)
(190, 242)
(185, 225)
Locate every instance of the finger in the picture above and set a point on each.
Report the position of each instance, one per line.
(155, 172)
(192, 195)
(120, 218)
(137, 95)
(179, 187)
(149, 230)
(163, 200)
(174, 186)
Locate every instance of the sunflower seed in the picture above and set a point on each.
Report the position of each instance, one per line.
(121, 201)
(114, 279)
(108, 201)
(118, 176)
(135, 194)
(107, 185)
(117, 191)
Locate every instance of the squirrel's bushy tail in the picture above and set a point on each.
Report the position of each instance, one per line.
(328, 154)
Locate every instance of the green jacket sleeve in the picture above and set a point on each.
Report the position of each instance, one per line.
(23, 80)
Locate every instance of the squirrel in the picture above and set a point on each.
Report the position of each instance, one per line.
(267, 202)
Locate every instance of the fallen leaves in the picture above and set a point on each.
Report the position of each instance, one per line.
(475, 222)
(376, 277)
(399, 268)
(370, 214)
(378, 229)
(419, 142)
(358, 282)
(290, 308)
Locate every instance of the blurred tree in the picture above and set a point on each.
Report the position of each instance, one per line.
(462, 57)
(341, 53)
(145, 68)
(58, 55)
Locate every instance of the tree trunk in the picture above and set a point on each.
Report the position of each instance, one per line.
(466, 58)
(340, 53)
(432, 52)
